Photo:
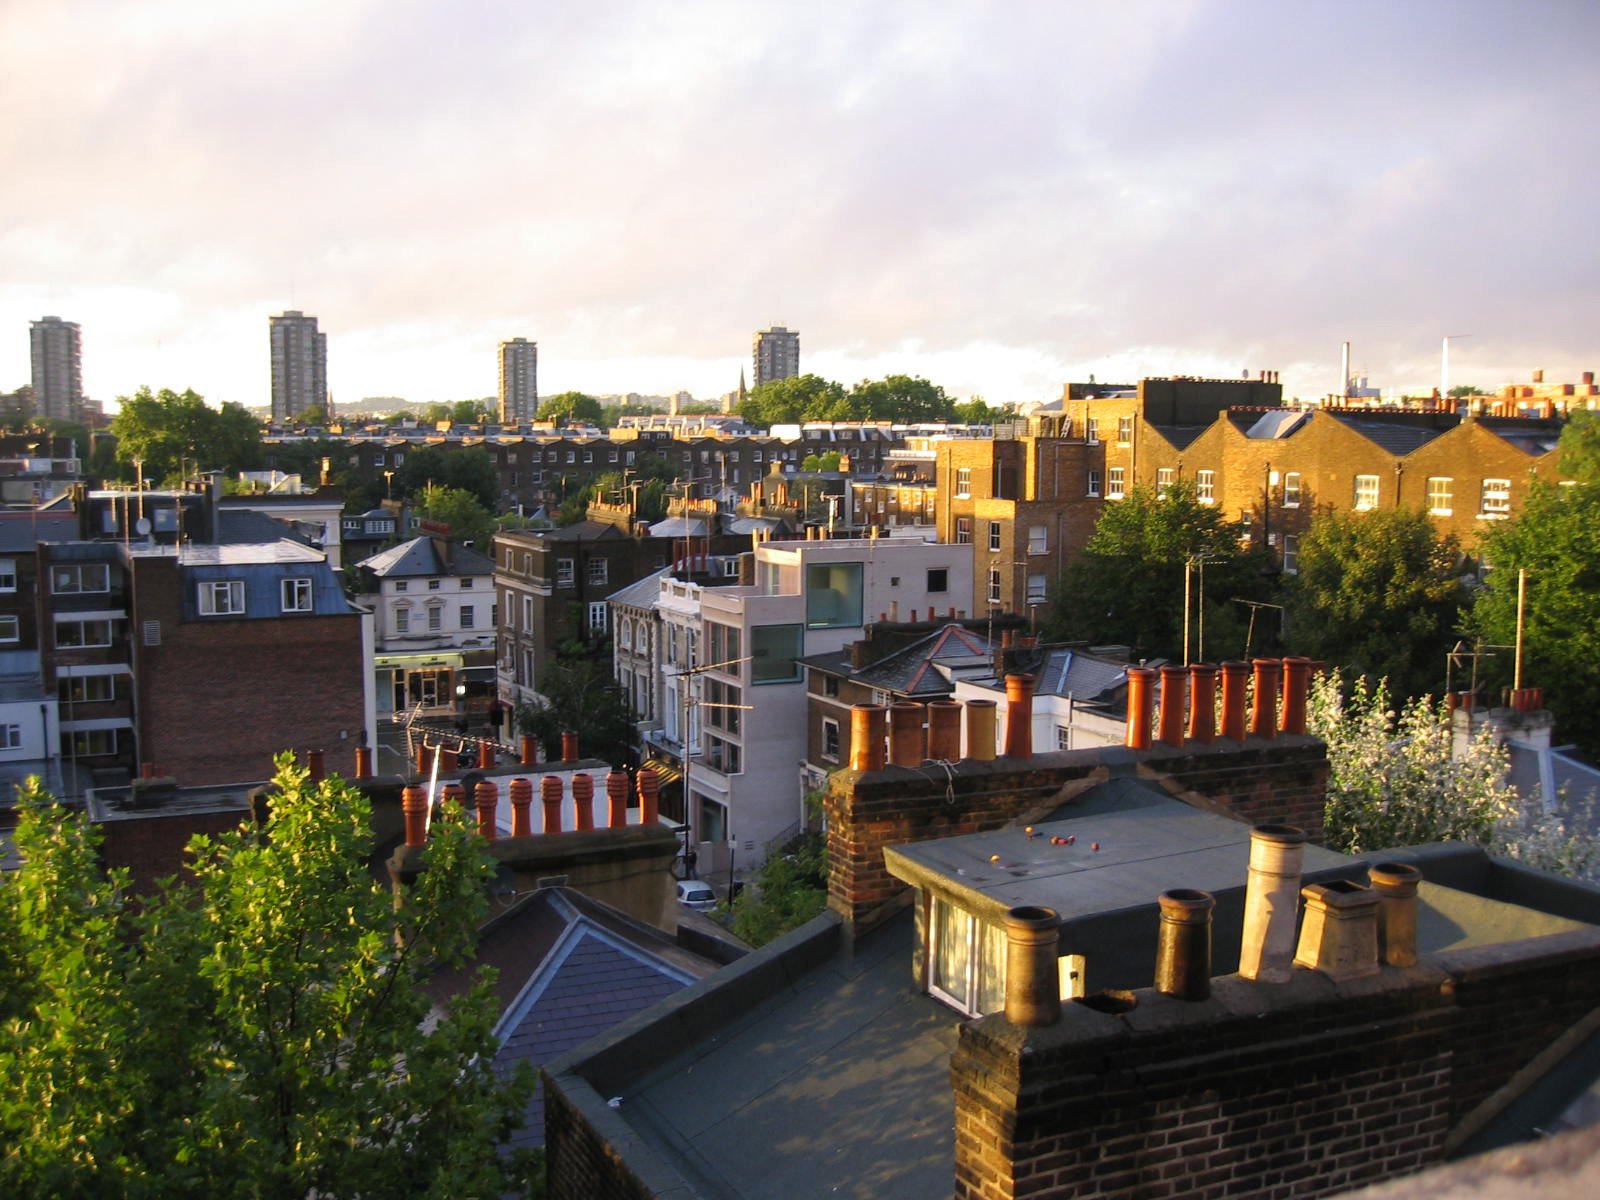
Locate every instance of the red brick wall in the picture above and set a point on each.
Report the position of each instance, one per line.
(219, 698)
(1280, 780)
(1301, 1089)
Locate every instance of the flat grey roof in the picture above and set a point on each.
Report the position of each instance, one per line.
(836, 1083)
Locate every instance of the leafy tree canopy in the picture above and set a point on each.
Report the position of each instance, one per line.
(470, 468)
(469, 521)
(312, 414)
(796, 399)
(902, 398)
(1580, 447)
(166, 430)
(258, 1028)
(475, 412)
(789, 889)
(1128, 585)
(1395, 778)
(1556, 540)
(814, 464)
(976, 412)
(571, 408)
(1379, 594)
(579, 693)
(650, 495)
(1466, 389)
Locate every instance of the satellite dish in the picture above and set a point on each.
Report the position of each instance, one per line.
(142, 525)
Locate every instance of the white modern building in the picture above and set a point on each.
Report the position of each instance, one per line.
(731, 676)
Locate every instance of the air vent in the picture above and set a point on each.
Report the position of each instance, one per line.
(152, 633)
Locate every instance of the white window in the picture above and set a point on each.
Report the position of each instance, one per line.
(1124, 430)
(402, 586)
(1063, 737)
(8, 574)
(1366, 495)
(527, 614)
(1164, 478)
(963, 483)
(10, 630)
(1205, 487)
(1291, 554)
(297, 595)
(469, 619)
(1093, 486)
(830, 740)
(1291, 489)
(1091, 429)
(402, 619)
(994, 537)
(597, 616)
(67, 578)
(221, 597)
(1038, 539)
(1036, 588)
(966, 960)
(1496, 497)
(1114, 486)
(466, 582)
(994, 585)
(595, 570)
(564, 572)
(433, 585)
(77, 635)
(10, 737)
(435, 618)
(963, 531)
(1440, 495)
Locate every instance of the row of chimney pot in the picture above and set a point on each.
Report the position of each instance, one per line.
(917, 733)
(552, 794)
(1348, 931)
(1188, 703)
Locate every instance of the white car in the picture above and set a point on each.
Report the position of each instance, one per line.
(696, 894)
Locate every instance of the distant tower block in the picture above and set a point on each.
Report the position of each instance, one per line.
(57, 347)
(299, 365)
(519, 381)
(776, 352)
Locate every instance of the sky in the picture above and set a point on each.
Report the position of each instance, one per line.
(999, 197)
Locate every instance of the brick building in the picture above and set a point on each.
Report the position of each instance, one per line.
(1130, 1083)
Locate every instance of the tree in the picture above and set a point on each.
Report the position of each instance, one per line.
(976, 412)
(473, 412)
(816, 464)
(1397, 778)
(794, 400)
(789, 889)
(1128, 585)
(1378, 593)
(1580, 447)
(902, 398)
(171, 432)
(258, 1026)
(580, 694)
(571, 408)
(469, 521)
(469, 468)
(1555, 539)
(312, 414)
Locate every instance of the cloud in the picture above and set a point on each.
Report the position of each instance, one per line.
(995, 196)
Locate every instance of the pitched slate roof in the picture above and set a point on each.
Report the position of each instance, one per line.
(1393, 437)
(420, 557)
(911, 670)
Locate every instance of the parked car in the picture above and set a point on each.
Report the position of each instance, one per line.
(696, 894)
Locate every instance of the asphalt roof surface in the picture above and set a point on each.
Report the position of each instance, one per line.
(838, 1085)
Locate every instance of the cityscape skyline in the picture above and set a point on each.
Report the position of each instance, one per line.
(998, 199)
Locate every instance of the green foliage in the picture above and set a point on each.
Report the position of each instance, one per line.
(166, 430)
(580, 694)
(312, 414)
(1128, 585)
(475, 412)
(470, 468)
(571, 408)
(1556, 539)
(802, 398)
(1466, 389)
(976, 412)
(1379, 594)
(650, 497)
(255, 1029)
(469, 521)
(901, 398)
(789, 890)
(1395, 778)
(816, 464)
(1580, 447)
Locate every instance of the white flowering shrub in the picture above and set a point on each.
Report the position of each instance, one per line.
(1393, 781)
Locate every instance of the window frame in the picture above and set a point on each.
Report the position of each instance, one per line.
(1494, 498)
(830, 734)
(1116, 483)
(295, 589)
(1092, 483)
(1291, 489)
(1367, 494)
(1205, 487)
(207, 591)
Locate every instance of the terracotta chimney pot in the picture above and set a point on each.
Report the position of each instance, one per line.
(980, 730)
(521, 791)
(583, 800)
(486, 798)
(551, 791)
(1033, 981)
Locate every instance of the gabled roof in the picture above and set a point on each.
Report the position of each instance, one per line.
(569, 967)
(1180, 436)
(1279, 423)
(1393, 437)
(1076, 673)
(912, 670)
(420, 557)
(641, 593)
(241, 527)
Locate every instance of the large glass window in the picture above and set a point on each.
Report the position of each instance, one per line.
(773, 651)
(66, 578)
(966, 960)
(833, 595)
